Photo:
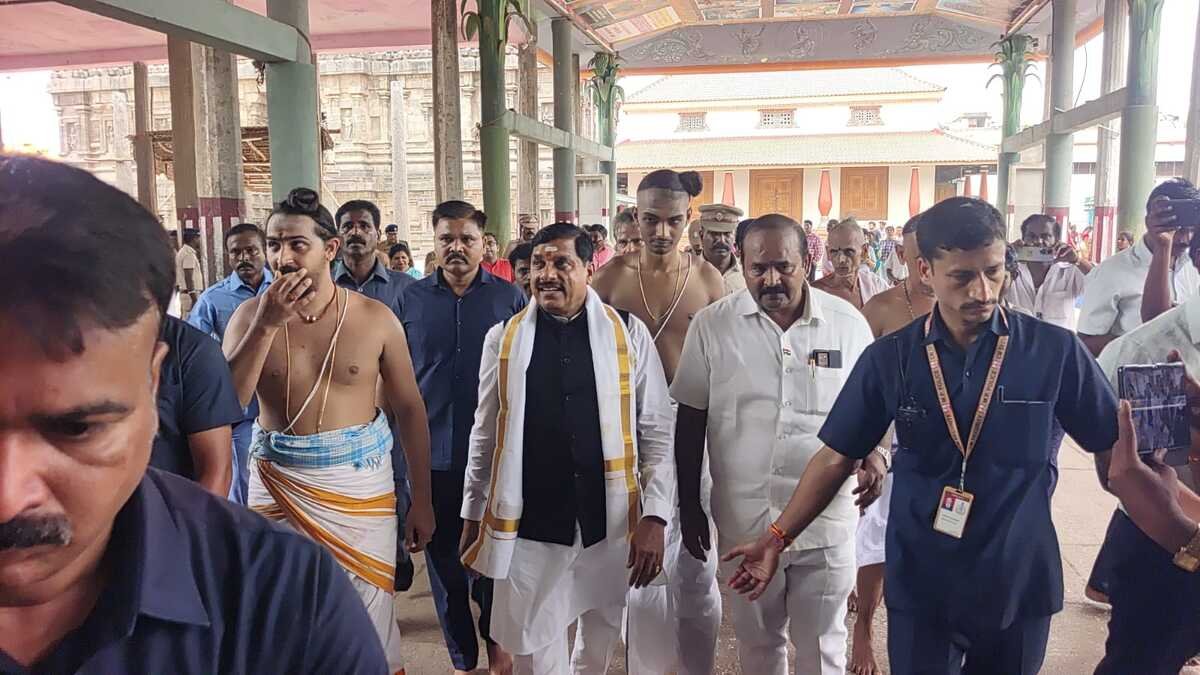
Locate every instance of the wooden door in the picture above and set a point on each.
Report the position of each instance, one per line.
(864, 193)
(706, 193)
(777, 191)
(943, 191)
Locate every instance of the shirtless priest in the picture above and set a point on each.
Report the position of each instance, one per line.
(851, 280)
(665, 288)
(321, 453)
(661, 285)
(570, 478)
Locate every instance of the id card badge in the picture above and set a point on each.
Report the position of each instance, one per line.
(952, 512)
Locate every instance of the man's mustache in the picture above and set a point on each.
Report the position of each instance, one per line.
(774, 290)
(456, 256)
(289, 269)
(972, 306)
(355, 240)
(30, 531)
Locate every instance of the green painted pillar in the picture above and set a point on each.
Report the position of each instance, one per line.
(493, 139)
(292, 111)
(1059, 147)
(605, 94)
(608, 133)
(1012, 56)
(564, 118)
(1139, 121)
(1108, 137)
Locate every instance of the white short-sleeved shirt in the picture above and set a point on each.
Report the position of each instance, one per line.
(1152, 342)
(1054, 300)
(1112, 300)
(766, 400)
(1176, 329)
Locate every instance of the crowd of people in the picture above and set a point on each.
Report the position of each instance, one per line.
(586, 429)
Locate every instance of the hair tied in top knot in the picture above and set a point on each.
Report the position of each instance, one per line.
(303, 199)
(688, 182)
(692, 183)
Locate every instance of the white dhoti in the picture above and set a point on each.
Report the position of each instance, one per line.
(673, 627)
(871, 535)
(548, 587)
(337, 487)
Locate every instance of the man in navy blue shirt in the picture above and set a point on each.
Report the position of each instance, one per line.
(246, 246)
(197, 408)
(446, 317)
(358, 268)
(107, 566)
(974, 571)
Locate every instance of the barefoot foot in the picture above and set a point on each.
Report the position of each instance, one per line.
(500, 662)
(862, 653)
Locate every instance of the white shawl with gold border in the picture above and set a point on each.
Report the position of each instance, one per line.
(636, 428)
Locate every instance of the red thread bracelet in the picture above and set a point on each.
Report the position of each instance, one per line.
(781, 539)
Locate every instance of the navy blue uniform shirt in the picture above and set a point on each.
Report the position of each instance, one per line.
(1007, 565)
(195, 393)
(382, 284)
(199, 585)
(445, 337)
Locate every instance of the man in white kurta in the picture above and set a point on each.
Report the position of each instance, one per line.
(563, 531)
(1048, 291)
(760, 371)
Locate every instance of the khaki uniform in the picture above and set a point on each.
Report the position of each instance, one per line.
(724, 218)
(187, 259)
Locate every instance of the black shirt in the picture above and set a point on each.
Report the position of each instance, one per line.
(563, 471)
(195, 393)
(199, 585)
(1007, 565)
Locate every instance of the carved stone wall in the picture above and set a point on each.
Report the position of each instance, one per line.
(355, 93)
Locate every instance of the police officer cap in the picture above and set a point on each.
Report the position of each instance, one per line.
(719, 217)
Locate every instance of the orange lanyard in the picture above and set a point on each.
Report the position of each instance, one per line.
(985, 397)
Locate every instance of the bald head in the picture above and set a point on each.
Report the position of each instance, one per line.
(846, 246)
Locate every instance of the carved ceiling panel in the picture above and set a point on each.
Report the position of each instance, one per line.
(737, 31)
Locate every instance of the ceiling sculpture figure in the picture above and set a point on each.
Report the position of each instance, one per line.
(658, 34)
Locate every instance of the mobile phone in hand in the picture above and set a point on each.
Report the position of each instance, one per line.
(1161, 416)
(1038, 254)
(1186, 211)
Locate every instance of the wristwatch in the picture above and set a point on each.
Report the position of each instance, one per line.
(885, 456)
(1188, 557)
